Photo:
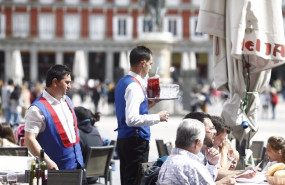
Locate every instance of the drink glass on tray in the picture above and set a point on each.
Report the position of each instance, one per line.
(153, 88)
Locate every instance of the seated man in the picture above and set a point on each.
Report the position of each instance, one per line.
(184, 166)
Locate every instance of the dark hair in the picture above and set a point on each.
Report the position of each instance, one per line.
(277, 143)
(220, 125)
(139, 54)
(56, 71)
(84, 114)
(7, 132)
(10, 82)
(201, 116)
(15, 95)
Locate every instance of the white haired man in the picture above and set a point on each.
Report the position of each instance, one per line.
(184, 166)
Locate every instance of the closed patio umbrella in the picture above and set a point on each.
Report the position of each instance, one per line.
(16, 69)
(123, 63)
(248, 42)
(79, 68)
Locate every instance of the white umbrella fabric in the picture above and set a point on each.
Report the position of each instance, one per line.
(17, 71)
(123, 63)
(185, 63)
(79, 68)
(193, 62)
(248, 42)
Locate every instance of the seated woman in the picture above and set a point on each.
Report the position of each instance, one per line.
(7, 138)
(89, 135)
(275, 151)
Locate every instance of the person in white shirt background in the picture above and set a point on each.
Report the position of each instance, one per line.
(185, 165)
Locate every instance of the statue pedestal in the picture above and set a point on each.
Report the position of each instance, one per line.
(160, 43)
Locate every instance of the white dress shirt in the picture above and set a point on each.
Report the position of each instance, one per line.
(184, 167)
(134, 96)
(35, 121)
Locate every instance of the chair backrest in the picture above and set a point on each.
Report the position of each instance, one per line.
(98, 160)
(64, 177)
(142, 168)
(161, 148)
(257, 149)
(168, 147)
(14, 151)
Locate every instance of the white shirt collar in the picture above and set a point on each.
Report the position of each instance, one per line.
(50, 98)
(138, 77)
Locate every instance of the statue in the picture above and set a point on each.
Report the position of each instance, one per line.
(156, 9)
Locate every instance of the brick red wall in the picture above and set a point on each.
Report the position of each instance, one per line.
(109, 27)
(135, 14)
(84, 23)
(59, 23)
(34, 22)
(8, 13)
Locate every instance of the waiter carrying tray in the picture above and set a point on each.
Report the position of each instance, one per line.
(132, 114)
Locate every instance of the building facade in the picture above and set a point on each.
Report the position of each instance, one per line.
(49, 32)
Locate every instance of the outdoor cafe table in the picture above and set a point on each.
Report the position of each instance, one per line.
(14, 164)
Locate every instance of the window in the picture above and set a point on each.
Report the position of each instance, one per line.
(173, 24)
(72, 26)
(21, 24)
(172, 3)
(196, 2)
(193, 34)
(71, 1)
(2, 25)
(122, 27)
(95, 31)
(20, 1)
(46, 1)
(46, 26)
(144, 25)
(122, 2)
(97, 2)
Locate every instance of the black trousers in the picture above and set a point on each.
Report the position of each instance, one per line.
(132, 151)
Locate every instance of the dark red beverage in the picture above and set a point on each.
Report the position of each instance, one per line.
(153, 89)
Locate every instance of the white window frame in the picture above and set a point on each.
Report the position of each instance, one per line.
(172, 2)
(122, 2)
(71, 1)
(97, 27)
(20, 1)
(2, 25)
(193, 34)
(21, 24)
(46, 25)
(129, 27)
(97, 2)
(178, 19)
(71, 23)
(196, 2)
(141, 25)
(46, 1)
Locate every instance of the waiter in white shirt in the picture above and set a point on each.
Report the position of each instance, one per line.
(132, 114)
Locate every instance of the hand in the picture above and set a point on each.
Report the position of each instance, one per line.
(228, 180)
(97, 116)
(212, 155)
(51, 165)
(163, 115)
(249, 175)
(152, 103)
